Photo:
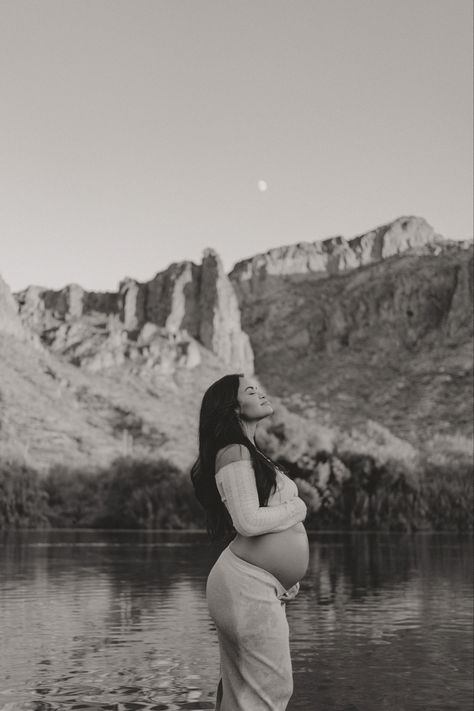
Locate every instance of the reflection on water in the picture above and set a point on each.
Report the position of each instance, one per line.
(118, 620)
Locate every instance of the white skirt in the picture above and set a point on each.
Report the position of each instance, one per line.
(247, 606)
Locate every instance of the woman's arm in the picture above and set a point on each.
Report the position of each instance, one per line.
(238, 489)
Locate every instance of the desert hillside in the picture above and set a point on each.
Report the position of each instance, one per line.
(379, 327)
(342, 333)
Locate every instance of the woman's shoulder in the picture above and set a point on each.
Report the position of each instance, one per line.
(234, 452)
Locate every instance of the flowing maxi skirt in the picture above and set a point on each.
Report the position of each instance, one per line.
(247, 606)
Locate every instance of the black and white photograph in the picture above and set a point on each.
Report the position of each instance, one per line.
(236, 355)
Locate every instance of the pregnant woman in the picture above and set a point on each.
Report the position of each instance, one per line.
(254, 507)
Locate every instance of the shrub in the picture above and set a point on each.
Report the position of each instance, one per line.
(447, 483)
(146, 494)
(23, 502)
(130, 493)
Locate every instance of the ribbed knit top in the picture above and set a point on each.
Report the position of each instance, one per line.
(237, 487)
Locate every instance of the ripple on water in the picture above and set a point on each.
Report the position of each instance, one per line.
(122, 623)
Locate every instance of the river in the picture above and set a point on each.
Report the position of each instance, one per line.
(94, 619)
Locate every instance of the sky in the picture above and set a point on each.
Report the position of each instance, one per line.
(136, 133)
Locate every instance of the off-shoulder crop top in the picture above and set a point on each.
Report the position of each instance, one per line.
(237, 487)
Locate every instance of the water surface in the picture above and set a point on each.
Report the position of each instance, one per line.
(118, 620)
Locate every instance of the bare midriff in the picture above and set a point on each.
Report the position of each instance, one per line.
(285, 554)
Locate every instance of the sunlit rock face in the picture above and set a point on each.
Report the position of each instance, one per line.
(173, 298)
(43, 308)
(131, 303)
(332, 256)
(10, 321)
(197, 298)
(187, 303)
(219, 325)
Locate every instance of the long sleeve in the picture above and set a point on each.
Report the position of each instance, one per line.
(238, 490)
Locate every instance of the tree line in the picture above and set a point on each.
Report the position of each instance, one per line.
(146, 494)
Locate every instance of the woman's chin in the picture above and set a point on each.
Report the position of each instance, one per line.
(267, 409)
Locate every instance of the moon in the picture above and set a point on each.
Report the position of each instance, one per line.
(262, 185)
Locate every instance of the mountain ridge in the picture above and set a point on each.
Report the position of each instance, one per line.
(346, 332)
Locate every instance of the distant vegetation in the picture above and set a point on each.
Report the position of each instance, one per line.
(386, 484)
(439, 496)
(369, 482)
(23, 500)
(130, 494)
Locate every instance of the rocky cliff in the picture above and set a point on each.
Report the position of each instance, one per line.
(389, 341)
(85, 376)
(156, 324)
(374, 328)
(335, 255)
(10, 321)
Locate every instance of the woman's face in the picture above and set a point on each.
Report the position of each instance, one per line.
(253, 403)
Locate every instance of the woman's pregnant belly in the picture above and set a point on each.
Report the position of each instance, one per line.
(285, 554)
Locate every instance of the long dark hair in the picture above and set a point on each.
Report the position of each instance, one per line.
(220, 425)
